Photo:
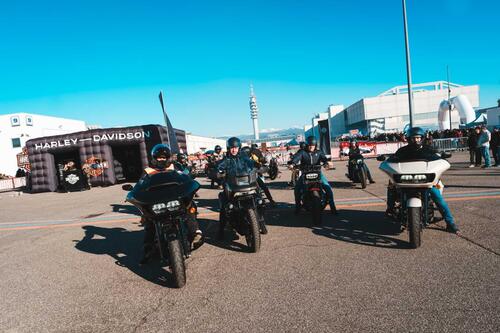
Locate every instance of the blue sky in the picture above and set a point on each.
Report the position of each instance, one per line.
(105, 61)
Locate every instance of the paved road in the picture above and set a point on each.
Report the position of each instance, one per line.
(68, 262)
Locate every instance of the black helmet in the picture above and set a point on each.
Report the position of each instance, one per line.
(160, 150)
(414, 132)
(218, 149)
(311, 141)
(233, 143)
(255, 146)
(181, 157)
(302, 145)
(246, 150)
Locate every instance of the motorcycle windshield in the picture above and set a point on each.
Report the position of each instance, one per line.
(164, 186)
(242, 180)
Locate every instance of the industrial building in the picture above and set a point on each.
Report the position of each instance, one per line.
(389, 111)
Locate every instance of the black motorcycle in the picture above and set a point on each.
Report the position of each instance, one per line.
(273, 169)
(358, 171)
(165, 199)
(245, 207)
(313, 197)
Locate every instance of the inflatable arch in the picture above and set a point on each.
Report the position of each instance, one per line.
(460, 103)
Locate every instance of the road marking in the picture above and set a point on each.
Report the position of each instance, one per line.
(33, 226)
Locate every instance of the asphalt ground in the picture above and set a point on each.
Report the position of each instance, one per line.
(69, 263)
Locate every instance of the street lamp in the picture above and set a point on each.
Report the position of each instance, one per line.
(408, 65)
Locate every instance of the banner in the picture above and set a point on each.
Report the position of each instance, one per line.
(368, 149)
(324, 136)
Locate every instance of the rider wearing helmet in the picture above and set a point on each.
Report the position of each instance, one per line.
(235, 160)
(161, 162)
(416, 149)
(259, 160)
(355, 154)
(295, 172)
(218, 153)
(308, 157)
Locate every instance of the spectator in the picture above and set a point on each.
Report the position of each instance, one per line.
(495, 145)
(483, 143)
(474, 151)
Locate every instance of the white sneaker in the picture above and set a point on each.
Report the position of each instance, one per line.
(471, 166)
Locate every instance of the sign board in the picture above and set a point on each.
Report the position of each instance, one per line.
(354, 132)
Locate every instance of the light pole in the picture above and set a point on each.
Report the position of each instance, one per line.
(449, 93)
(408, 65)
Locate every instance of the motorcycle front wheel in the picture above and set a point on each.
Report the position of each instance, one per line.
(253, 236)
(415, 226)
(176, 259)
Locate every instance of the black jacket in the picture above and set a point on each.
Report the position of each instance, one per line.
(472, 141)
(305, 158)
(413, 152)
(355, 153)
(233, 165)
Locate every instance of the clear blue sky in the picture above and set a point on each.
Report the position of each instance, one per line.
(105, 61)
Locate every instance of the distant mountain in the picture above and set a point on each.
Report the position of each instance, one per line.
(271, 133)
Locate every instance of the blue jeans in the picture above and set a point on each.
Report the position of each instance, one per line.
(442, 206)
(299, 189)
(485, 151)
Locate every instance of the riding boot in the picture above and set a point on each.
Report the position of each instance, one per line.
(333, 209)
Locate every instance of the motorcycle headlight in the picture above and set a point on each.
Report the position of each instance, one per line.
(173, 205)
(359, 161)
(159, 208)
(415, 178)
(162, 207)
(240, 194)
(312, 176)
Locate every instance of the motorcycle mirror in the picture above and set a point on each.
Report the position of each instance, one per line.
(127, 187)
(381, 158)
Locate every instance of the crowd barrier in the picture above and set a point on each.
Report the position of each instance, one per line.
(450, 144)
(12, 183)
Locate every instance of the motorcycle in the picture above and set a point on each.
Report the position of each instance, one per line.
(358, 171)
(245, 207)
(313, 197)
(412, 181)
(273, 168)
(165, 199)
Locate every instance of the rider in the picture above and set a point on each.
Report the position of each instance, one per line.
(234, 160)
(216, 157)
(161, 162)
(355, 154)
(259, 160)
(417, 150)
(308, 157)
(295, 172)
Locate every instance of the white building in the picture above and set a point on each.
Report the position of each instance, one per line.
(16, 129)
(389, 112)
(493, 116)
(196, 143)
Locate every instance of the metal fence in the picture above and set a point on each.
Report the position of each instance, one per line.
(12, 183)
(450, 144)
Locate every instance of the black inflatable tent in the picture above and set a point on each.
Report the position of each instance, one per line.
(107, 156)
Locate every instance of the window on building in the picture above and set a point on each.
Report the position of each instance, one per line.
(14, 121)
(29, 121)
(16, 143)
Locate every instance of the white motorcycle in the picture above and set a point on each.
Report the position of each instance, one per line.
(411, 181)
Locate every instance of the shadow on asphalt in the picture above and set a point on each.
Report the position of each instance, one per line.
(126, 209)
(369, 228)
(126, 248)
(232, 241)
(210, 204)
